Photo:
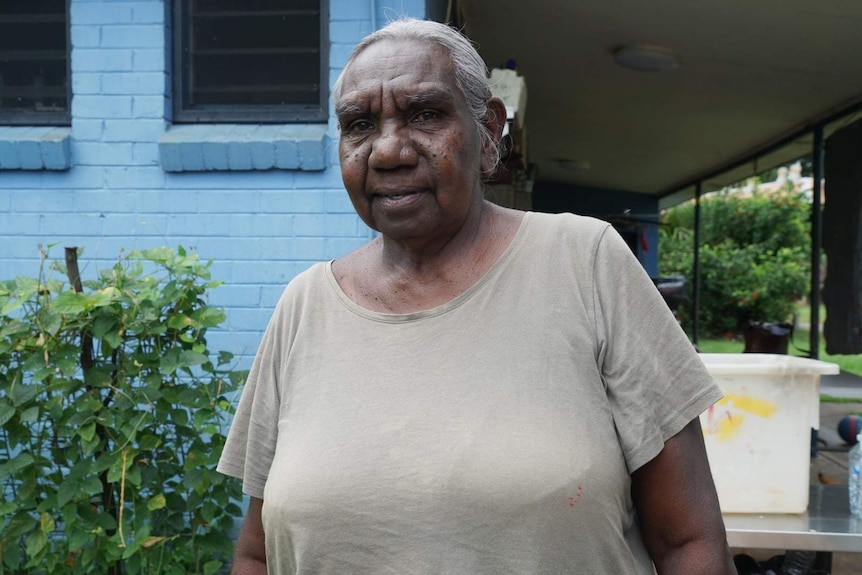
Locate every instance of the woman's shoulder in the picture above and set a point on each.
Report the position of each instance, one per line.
(566, 227)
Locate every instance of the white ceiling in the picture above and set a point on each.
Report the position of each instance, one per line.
(751, 73)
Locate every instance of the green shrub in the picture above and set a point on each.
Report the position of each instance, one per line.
(113, 410)
(754, 256)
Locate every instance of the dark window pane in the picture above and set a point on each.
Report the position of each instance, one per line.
(33, 62)
(260, 60)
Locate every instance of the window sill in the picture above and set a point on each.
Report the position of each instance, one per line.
(243, 147)
(35, 148)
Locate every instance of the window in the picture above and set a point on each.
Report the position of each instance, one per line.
(250, 61)
(34, 62)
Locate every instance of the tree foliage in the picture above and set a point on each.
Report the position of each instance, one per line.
(113, 410)
(754, 256)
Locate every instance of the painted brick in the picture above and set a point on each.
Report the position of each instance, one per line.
(137, 36)
(337, 247)
(5, 202)
(196, 225)
(167, 201)
(18, 224)
(132, 177)
(101, 60)
(97, 201)
(348, 10)
(149, 60)
(85, 83)
(292, 201)
(149, 106)
(145, 154)
(87, 130)
(345, 32)
(270, 294)
(239, 156)
(249, 319)
(191, 156)
(337, 202)
(242, 344)
(338, 54)
(133, 130)
(262, 155)
(98, 154)
(78, 225)
(117, 224)
(315, 180)
(260, 225)
(87, 106)
(229, 202)
(148, 13)
(235, 296)
(79, 178)
(267, 271)
(287, 154)
(100, 13)
(312, 155)
(338, 225)
(85, 36)
(135, 84)
(231, 249)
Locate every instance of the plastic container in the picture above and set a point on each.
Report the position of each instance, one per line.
(854, 477)
(758, 437)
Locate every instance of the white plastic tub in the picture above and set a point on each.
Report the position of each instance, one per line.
(758, 437)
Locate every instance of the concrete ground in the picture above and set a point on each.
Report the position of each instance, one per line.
(830, 464)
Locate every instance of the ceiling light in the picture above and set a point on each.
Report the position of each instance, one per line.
(646, 58)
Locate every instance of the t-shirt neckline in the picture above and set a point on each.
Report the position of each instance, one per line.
(452, 304)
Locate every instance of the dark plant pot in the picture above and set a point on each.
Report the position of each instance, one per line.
(767, 337)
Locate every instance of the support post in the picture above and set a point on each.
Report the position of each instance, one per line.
(816, 241)
(695, 288)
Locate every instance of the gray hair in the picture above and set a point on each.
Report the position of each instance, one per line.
(471, 73)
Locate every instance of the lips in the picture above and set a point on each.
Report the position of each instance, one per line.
(397, 198)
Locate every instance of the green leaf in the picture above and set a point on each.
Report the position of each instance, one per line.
(156, 502)
(190, 358)
(36, 541)
(70, 303)
(106, 521)
(50, 321)
(6, 413)
(29, 414)
(20, 393)
(88, 431)
(46, 522)
(212, 567)
(16, 464)
(7, 507)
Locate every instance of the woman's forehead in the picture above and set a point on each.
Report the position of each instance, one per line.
(402, 63)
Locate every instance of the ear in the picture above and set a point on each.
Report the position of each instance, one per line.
(495, 123)
(496, 117)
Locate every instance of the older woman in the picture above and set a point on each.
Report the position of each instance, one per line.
(476, 390)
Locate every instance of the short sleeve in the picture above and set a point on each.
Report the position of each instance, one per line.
(250, 444)
(655, 381)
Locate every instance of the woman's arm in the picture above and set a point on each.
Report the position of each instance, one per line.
(250, 554)
(677, 506)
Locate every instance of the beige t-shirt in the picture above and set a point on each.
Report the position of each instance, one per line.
(492, 435)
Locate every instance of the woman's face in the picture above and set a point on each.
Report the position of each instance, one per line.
(409, 148)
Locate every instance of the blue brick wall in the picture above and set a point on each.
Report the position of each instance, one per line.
(260, 228)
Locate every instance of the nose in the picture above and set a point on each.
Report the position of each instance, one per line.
(392, 148)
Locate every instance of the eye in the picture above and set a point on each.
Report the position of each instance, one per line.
(359, 126)
(426, 116)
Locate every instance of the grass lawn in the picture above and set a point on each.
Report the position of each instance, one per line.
(850, 363)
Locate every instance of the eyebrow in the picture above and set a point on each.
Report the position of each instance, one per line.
(430, 96)
(419, 99)
(349, 108)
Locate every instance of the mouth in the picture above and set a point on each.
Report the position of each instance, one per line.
(398, 198)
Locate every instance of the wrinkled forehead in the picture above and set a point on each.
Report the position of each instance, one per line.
(398, 63)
